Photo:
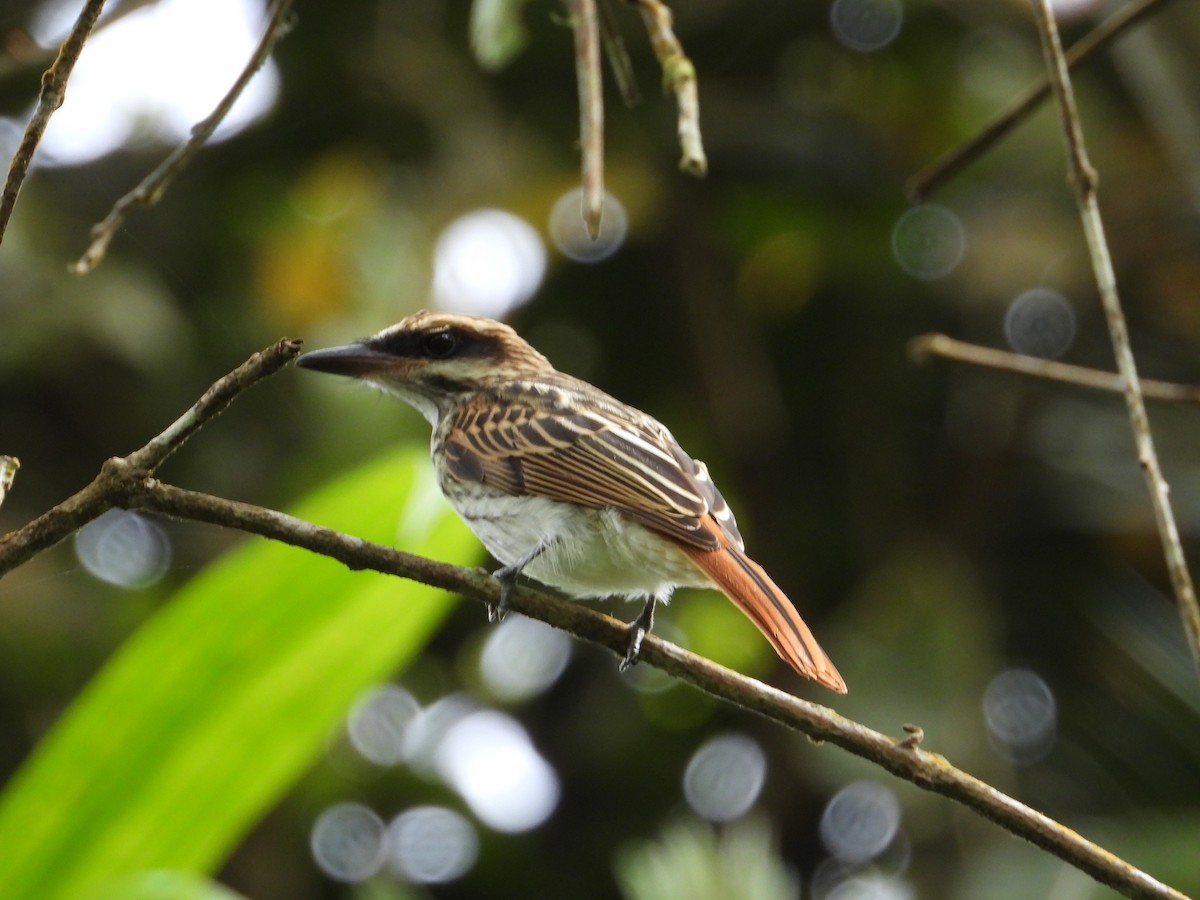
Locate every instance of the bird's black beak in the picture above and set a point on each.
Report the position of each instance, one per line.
(354, 360)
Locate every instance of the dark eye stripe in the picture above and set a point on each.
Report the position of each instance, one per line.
(425, 343)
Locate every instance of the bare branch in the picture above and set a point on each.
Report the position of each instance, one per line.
(1083, 180)
(926, 346)
(54, 90)
(679, 77)
(129, 483)
(900, 756)
(586, 24)
(150, 190)
(922, 185)
(58, 523)
(214, 401)
(106, 488)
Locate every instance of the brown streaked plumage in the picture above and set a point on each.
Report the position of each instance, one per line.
(565, 483)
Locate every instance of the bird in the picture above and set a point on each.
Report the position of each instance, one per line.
(565, 484)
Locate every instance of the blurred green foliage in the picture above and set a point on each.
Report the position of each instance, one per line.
(689, 862)
(220, 701)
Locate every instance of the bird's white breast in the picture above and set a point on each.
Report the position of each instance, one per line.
(588, 552)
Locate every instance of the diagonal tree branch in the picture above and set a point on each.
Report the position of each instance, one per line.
(927, 346)
(899, 756)
(129, 483)
(54, 90)
(215, 400)
(150, 190)
(926, 182)
(1083, 180)
(102, 493)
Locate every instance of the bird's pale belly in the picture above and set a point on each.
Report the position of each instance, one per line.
(588, 552)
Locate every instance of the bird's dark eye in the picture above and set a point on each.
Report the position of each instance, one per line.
(439, 344)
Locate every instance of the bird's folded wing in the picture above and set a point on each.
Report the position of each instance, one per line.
(617, 457)
(593, 458)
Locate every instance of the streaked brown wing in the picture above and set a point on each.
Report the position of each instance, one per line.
(586, 448)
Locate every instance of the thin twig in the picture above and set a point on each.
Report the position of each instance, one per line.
(122, 483)
(679, 77)
(586, 25)
(54, 90)
(1083, 180)
(28, 55)
(214, 401)
(100, 495)
(618, 57)
(150, 190)
(925, 346)
(922, 185)
(8, 472)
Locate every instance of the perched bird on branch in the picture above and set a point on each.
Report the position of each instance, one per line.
(566, 484)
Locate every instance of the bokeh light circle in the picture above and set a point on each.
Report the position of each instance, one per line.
(928, 241)
(431, 845)
(347, 842)
(860, 821)
(194, 49)
(1021, 715)
(523, 657)
(487, 262)
(866, 25)
(123, 548)
(377, 723)
(569, 233)
(1040, 322)
(724, 777)
(488, 758)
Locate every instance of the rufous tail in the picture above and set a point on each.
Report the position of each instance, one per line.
(752, 591)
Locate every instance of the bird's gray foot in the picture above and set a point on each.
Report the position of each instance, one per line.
(638, 629)
(507, 576)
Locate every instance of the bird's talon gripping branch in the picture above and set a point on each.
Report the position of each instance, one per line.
(636, 635)
(638, 629)
(507, 577)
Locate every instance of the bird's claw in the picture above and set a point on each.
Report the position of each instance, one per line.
(507, 577)
(638, 629)
(634, 650)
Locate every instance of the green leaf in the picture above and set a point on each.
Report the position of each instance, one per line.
(497, 33)
(206, 716)
(163, 884)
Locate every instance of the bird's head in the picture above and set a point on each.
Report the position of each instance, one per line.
(430, 359)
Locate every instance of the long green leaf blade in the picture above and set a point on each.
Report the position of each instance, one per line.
(202, 720)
